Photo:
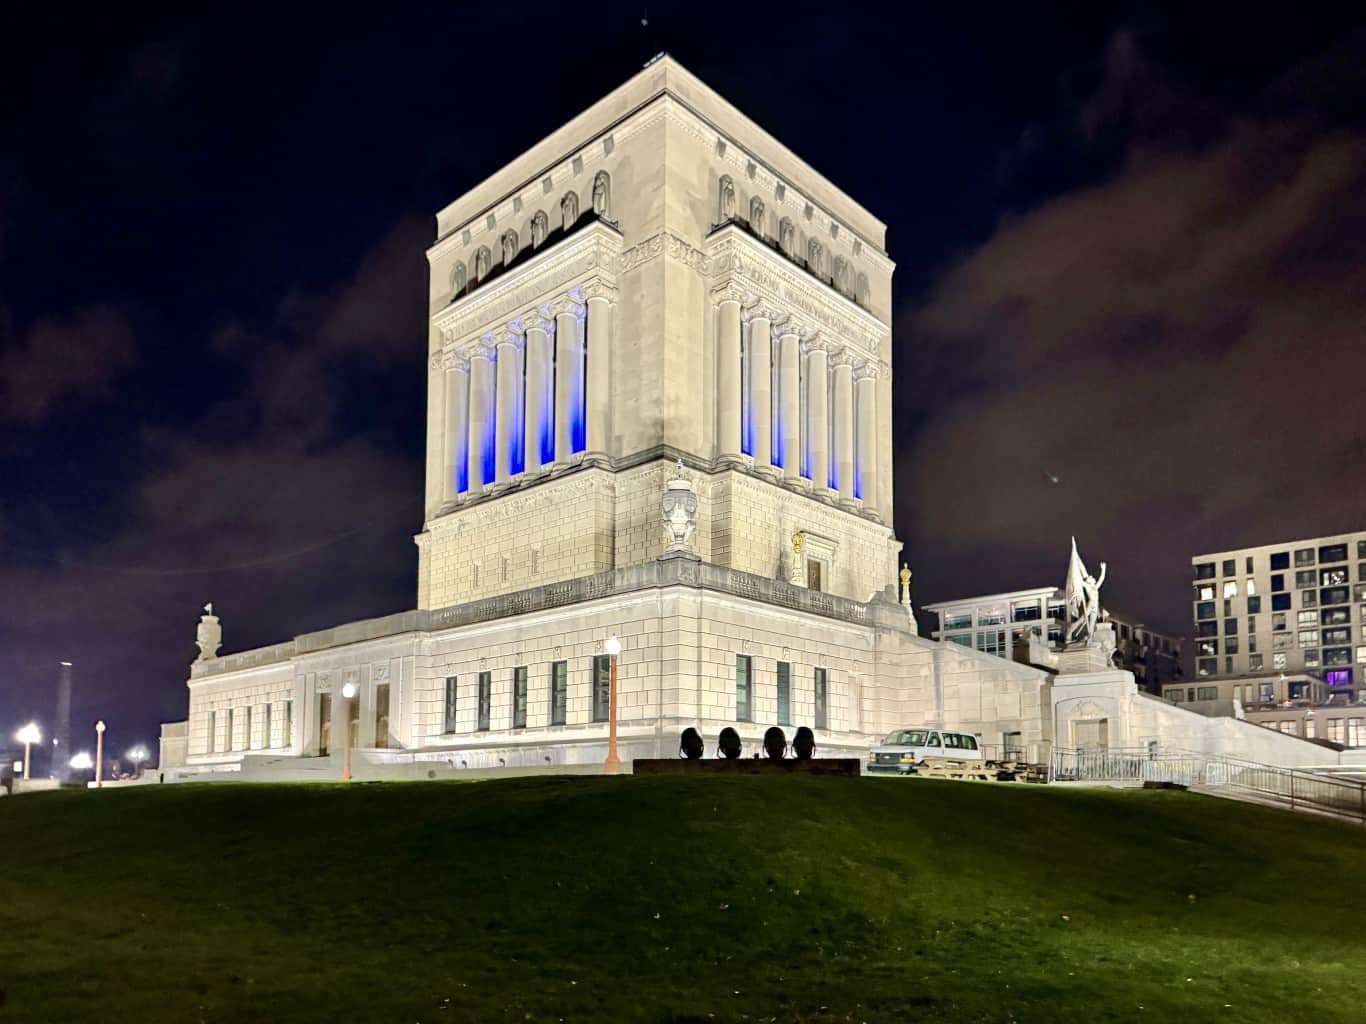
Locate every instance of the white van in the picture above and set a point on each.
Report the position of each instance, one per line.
(902, 750)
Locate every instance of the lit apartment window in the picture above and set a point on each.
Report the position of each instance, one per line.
(602, 686)
(1309, 638)
(1208, 647)
(1338, 677)
(485, 706)
(1356, 732)
(1307, 618)
(1287, 727)
(784, 693)
(1204, 592)
(744, 688)
(1336, 731)
(1278, 661)
(821, 680)
(559, 691)
(450, 720)
(1361, 655)
(993, 616)
(1334, 577)
(1230, 588)
(1206, 666)
(519, 697)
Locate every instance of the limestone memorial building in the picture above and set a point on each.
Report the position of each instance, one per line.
(659, 369)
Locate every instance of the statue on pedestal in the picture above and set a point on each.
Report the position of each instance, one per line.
(210, 635)
(601, 197)
(797, 575)
(678, 512)
(1083, 600)
(905, 576)
(725, 203)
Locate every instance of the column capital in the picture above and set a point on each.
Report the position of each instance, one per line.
(818, 341)
(840, 358)
(539, 320)
(511, 335)
(866, 371)
(453, 360)
(567, 305)
(484, 348)
(599, 290)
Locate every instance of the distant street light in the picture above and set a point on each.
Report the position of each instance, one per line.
(28, 736)
(137, 755)
(613, 763)
(99, 754)
(348, 694)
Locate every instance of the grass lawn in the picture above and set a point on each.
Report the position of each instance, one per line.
(674, 899)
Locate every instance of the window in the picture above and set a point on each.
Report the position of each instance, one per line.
(1333, 595)
(992, 641)
(1361, 654)
(813, 574)
(1230, 566)
(1280, 560)
(266, 740)
(1012, 745)
(1254, 603)
(232, 735)
(485, 699)
(1277, 663)
(784, 693)
(324, 723)
(247, 744)
(1204, 610)
(1208, 647)
(1231, 626)
(1359, 593)
(1207, 693)
(965, 639)
(1307, 619)
(1057, 610)
(1333, 553)
(602, 686)
(1361, 549)
(1230, 645)
(1309, 638)
(1228, 666)
(213, 726)
(1025, 611)
(1336, 732)
(1334, 656)
(1210, 628)
(1204, 571)
(1248, 562)
(821, 678)
(449, 723)
(993, 616)
(1204, 592)
(382, 715)
(1311, 659)
(519, 697)
(1287, 727)
(1277, 582)
(1174, 693)
(1252, 623)
(1334, 577)
(1341, 635)
(1356, 732)
(289, 723)
(1282, 641)
(1228, 606)
(1361, 570)
(744, 688)
(559, 691)
(1277, 622)
(1251, 640)
(1304, 556)
(1251, 586)
(1268, 694)
(1280, 602)
(1207, 666)
(1254, 662)
(1306, 578)
(1338, 677)
(1309, 599)
(957, 620)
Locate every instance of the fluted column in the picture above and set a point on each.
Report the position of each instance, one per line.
(761, 388)
(728, 379)
(568, 377)
(598, 387)
(789, 401)
(507, 402)
(538, 419)
(481, 403)
(453, 458)
(865, 454)
(844, 425)
(817, 413)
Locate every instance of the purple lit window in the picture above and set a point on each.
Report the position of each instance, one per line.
(1339, 677)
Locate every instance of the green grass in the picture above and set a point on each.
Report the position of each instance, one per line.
(674, 899)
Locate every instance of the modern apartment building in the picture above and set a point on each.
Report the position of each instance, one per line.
(992, 623)
(1293, 607)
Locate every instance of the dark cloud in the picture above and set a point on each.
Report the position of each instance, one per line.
(76, 356)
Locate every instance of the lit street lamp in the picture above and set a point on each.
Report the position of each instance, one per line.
(99, 754)
(348, 694)
(81, 762)
(28, 736)
(137, 755)
(613, 763)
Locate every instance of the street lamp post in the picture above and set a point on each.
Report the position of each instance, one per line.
(99, 754)
(137, 755)
(613, 763)
(348, 694)
(28, 736)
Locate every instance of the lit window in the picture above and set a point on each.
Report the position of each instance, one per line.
(1356, 732)
(957, 620)
(1336, 732)
(1338, 677)
(1230, 588)
(1307, 618)
(1333, 577)
(1251, 587)
(1361, 654)
(1286, 727)
(1309, 638)
(1204, 592)
(1206, 666)
(1278, 661)
(1208, 647)
(993, 616)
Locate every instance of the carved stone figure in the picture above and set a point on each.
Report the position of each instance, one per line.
(569, 210)
(210, 635)
(678, 512)
(602, 186)
(756, 215)
(787, 237)
(725, 202)
(458, 279)
(483, 262)
(797, 571)
(1083, 599)
(540, 227)
(842, 274)
(509, 247)
(815, 258)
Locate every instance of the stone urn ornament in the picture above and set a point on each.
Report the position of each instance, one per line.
(678, 513)
(210, 634)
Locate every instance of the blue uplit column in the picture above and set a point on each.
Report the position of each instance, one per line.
(480, 450)
(817, 412)
(842, 392)
(790, 401)
(454, 460)
(508, 406)
(728, 379)
(761, 388)
(539, 414)
(568, 376)
(865, 443)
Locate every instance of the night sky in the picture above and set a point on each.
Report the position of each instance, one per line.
(1131, 253)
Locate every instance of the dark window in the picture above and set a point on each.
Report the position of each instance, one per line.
(1278, 581)
(784, 693)
(1228, 666)
(1204, 571)
(1340, 635)
(1207, 693)
(1333, 595)
(1254, 603)
(1280, 560)
(1280, 602)
(1361, 549)
(1333, 553)
(744, 688)
(1230, 567)
(449, 725)
(1206, 667)
(519, 697)
(1335, 616)
(1204, 610)
(485, 698)
(1337, 655)
(1230, 645)
(559, 691)
(822, 716)
(1231, 626)
(602, 686)
(1249, 565)
(1361, 570)
(1209, 628)
(1309, 599)
(1306, 578)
